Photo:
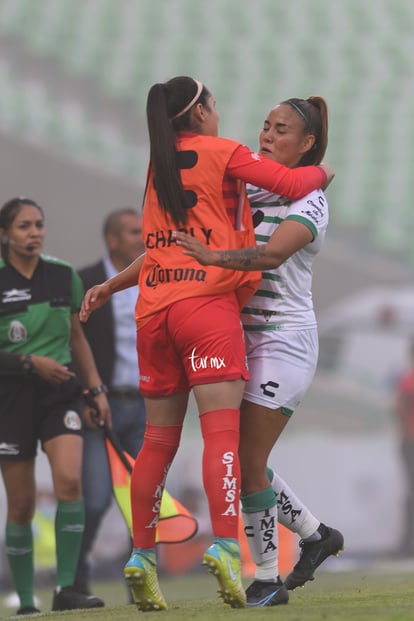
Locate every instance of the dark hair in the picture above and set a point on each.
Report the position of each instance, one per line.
(112, 221)
(314, 114)
(166, 101)
(8, 212)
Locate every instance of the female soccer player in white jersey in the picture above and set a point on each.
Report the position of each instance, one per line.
(281, 344)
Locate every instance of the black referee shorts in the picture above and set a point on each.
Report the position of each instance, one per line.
(33, 410)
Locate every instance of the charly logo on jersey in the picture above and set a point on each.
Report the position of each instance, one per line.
(16, 295)
(17, 332)
(72, 420)
(267, 386)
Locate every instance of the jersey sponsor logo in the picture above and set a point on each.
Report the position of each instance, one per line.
(16, 295)
(161, 276)
(71, 420)
(266, 391)
(17, 332)
(165, 239)
(206, 362)
(9, 449)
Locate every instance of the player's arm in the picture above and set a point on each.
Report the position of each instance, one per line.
(275, 177)
(98, 295)
(288, 238)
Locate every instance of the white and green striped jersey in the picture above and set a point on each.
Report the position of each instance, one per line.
(284, 298)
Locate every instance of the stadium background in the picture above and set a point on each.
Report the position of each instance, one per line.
(74, 75)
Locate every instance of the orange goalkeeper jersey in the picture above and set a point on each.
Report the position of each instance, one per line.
(168, 275)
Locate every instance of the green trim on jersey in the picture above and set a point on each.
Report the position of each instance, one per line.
(266, 327)
(249, 310)
(268, 294)
(35, 313)
(271, 276)
(262, 238)
(272, 219)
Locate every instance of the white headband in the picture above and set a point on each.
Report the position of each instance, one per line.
(192, 102)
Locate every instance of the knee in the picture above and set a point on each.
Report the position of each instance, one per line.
(253, 477)
(21, 511)
(68, 488)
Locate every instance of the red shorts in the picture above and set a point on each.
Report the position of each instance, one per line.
(192, 342)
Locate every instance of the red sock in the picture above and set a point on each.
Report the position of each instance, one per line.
(221, 469)
(148, 480)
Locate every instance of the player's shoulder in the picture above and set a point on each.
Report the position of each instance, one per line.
(315, 200)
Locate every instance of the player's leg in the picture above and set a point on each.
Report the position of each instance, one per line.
(97, 495)
(164, 387)
(260, 427)
(19, 483)
(318, 541)
(64, 452)
(162, 437)
(213, 354)
(18, 439)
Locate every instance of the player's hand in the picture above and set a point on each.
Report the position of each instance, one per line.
(50, 370)
(195, 248)
(94, 298)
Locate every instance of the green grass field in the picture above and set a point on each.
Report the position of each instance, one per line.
(355, 596)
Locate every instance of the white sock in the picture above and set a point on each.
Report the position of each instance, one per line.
(262, 536)
(291, 512)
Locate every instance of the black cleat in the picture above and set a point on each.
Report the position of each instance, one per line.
(67, 598)
(263, 594)
(313, 554)
(28, 611)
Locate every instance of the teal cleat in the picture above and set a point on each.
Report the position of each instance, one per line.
(223, 560)
(140, 573)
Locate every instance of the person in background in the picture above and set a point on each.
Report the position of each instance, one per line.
(40, 334)
(404, 416)
(189, 329)
(111, 333)
(281, 345)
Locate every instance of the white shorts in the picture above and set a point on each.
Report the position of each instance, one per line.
(281, 366)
